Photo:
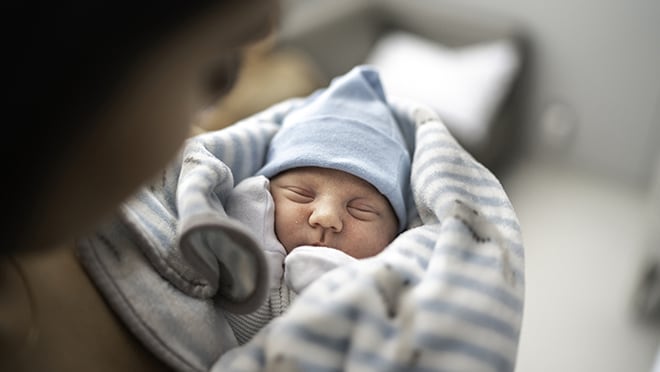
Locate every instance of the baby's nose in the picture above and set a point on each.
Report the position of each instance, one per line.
(327, 216)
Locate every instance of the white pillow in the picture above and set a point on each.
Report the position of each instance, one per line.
(464, 85)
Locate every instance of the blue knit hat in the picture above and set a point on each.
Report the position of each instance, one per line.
(348, 127)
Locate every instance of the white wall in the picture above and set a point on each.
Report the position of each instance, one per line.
(600, 59)
(585, 249)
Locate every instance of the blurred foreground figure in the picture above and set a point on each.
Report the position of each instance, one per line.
(101, 97)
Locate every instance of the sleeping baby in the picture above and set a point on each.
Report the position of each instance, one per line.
(331, 191)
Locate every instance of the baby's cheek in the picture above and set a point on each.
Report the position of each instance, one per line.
(366, 241)
(283, 236)
(288, 223)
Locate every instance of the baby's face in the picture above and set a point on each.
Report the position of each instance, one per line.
(330, 208)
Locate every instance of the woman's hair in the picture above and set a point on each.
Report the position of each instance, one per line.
(63, 61)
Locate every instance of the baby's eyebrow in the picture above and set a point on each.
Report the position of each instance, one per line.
(295, 183)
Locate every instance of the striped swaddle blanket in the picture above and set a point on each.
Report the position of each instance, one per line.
(445, 295)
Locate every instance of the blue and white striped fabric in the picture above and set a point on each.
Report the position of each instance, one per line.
(445, 295)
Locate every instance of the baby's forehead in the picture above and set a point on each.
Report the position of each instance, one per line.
(326, 176)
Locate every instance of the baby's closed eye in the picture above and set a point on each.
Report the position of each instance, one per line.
(298, 194)
(364, 212)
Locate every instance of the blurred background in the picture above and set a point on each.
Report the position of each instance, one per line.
(561, 100)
